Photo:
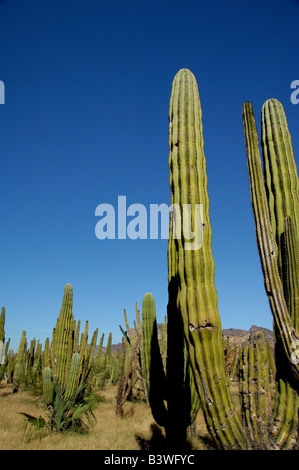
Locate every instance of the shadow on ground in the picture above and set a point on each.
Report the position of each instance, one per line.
(157, 442)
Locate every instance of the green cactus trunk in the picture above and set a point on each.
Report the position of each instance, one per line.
(97, 364)
(5, 362)
(192, 293)
(2, 337)
(63, 335)
(255, 389)
(47, 386)
(2, 323)
(19, 365)
(281, 178)
(72, 381)
(154, 376)
(126, 377)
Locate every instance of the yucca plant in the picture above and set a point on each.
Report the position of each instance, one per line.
(75, 413)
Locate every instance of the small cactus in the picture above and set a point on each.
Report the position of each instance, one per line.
(72, 381)
(47, 386)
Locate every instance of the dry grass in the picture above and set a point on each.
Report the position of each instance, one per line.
(136, 430)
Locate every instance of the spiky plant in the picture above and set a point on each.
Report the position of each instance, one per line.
(75, 413)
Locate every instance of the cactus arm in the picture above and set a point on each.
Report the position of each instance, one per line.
(91, 348)
(284, 420)
(290, 270)
(126, 379)
(62, 333)
(46, 355)
(281, 178)
(19, 362)
(47, 386)
(99, 353)
(72, 381)
(276, 209)
(77, 336)
(155, 381)
(2, 323)
(285, 413)
(125, 333)
(255, 390)
(264, 234)
(2, 337)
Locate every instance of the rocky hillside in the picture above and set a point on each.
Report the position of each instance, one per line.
(239, 336)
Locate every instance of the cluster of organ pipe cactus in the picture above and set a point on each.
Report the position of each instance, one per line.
(127, 376)
(67, 359)
(132, 344)
(73, 362)
(231, 357)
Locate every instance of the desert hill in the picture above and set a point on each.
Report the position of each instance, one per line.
(239, 336)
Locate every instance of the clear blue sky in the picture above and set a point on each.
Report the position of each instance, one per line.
(87, 88)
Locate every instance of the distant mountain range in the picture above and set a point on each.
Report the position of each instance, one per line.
(239, 336)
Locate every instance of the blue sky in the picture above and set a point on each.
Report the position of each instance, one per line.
(87, 88)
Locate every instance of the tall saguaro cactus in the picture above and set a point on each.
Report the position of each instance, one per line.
(192, 294)
(192, 306)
